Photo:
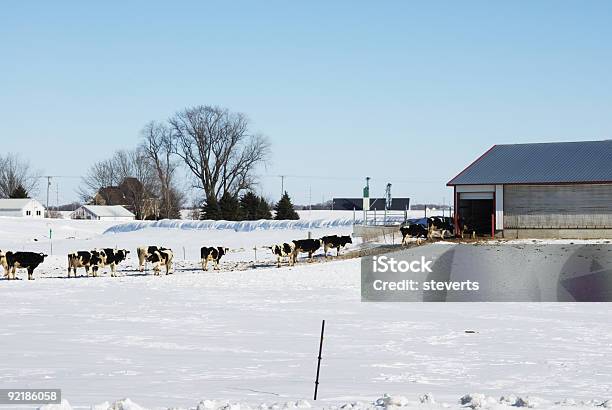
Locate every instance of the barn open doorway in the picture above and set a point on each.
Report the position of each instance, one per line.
(475, 210)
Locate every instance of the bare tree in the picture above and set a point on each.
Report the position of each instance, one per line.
(130, 171)
(218, 148)
(101, 174)
(15, 172)
(158, 146)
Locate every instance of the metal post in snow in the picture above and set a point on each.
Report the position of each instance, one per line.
(319, 360)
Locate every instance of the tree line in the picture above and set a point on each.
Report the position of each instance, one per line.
(218, 149)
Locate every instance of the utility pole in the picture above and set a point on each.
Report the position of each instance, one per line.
(282, 177)
(48, 185)
(310, 198)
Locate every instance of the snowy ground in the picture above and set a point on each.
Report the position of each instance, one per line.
(251, 336)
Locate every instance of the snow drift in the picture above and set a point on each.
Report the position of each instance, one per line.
(238, 226)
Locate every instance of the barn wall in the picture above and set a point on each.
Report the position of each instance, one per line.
(36, 210)
(558, 206)
(499, 207)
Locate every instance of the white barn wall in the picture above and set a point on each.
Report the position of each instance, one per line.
(35, 209)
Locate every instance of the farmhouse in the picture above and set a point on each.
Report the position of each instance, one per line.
(26, 208)
(103, 213)
(545, 190)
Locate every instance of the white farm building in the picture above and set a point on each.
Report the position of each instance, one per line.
(103, 213)
(25, 208)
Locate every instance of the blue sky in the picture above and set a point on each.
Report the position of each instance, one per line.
(404, 92)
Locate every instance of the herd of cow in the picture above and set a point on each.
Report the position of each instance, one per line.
(94, 260)
(435, 227)
(291, 250)
(160, 257)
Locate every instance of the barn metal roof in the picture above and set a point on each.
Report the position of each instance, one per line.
(106, 211)
(15, 203)
(542, 163)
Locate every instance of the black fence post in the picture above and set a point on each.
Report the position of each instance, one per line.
(319, 360)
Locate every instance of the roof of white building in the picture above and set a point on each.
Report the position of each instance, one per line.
(15, 203)
(108, 211)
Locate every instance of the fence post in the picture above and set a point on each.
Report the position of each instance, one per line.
(319, 360)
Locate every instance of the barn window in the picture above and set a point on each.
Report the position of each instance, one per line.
(37, 213)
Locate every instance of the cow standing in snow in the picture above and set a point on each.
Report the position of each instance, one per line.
(284, 250)
(143, 253)
(114, 257)
(21, 260)
(309, 246)
(335, 242)
(212, 254)
(86, 259)
(159, 258)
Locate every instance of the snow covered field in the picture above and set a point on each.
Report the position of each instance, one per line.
(251, 336)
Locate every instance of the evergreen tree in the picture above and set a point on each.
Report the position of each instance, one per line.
(229, 207)
(263, 209)
(19, 192)
(211, 209)
(248, 206)
(284, 208)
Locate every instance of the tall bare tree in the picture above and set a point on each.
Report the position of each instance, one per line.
(15, 172)
(157, 144)
(219, 149)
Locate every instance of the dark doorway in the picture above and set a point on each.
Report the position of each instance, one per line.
(476, 214)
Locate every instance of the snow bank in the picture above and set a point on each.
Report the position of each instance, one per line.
(386, 402)
(64, 405)
(238, 226)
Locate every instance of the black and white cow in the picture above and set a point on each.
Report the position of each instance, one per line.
(143, 253)
(335, 242)
(309, 246)
(86, 259)
(114, 257)
(212, 254)
(284, 250)
(440, 226)
(11, 261)
(159, 258)
(417, 231)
